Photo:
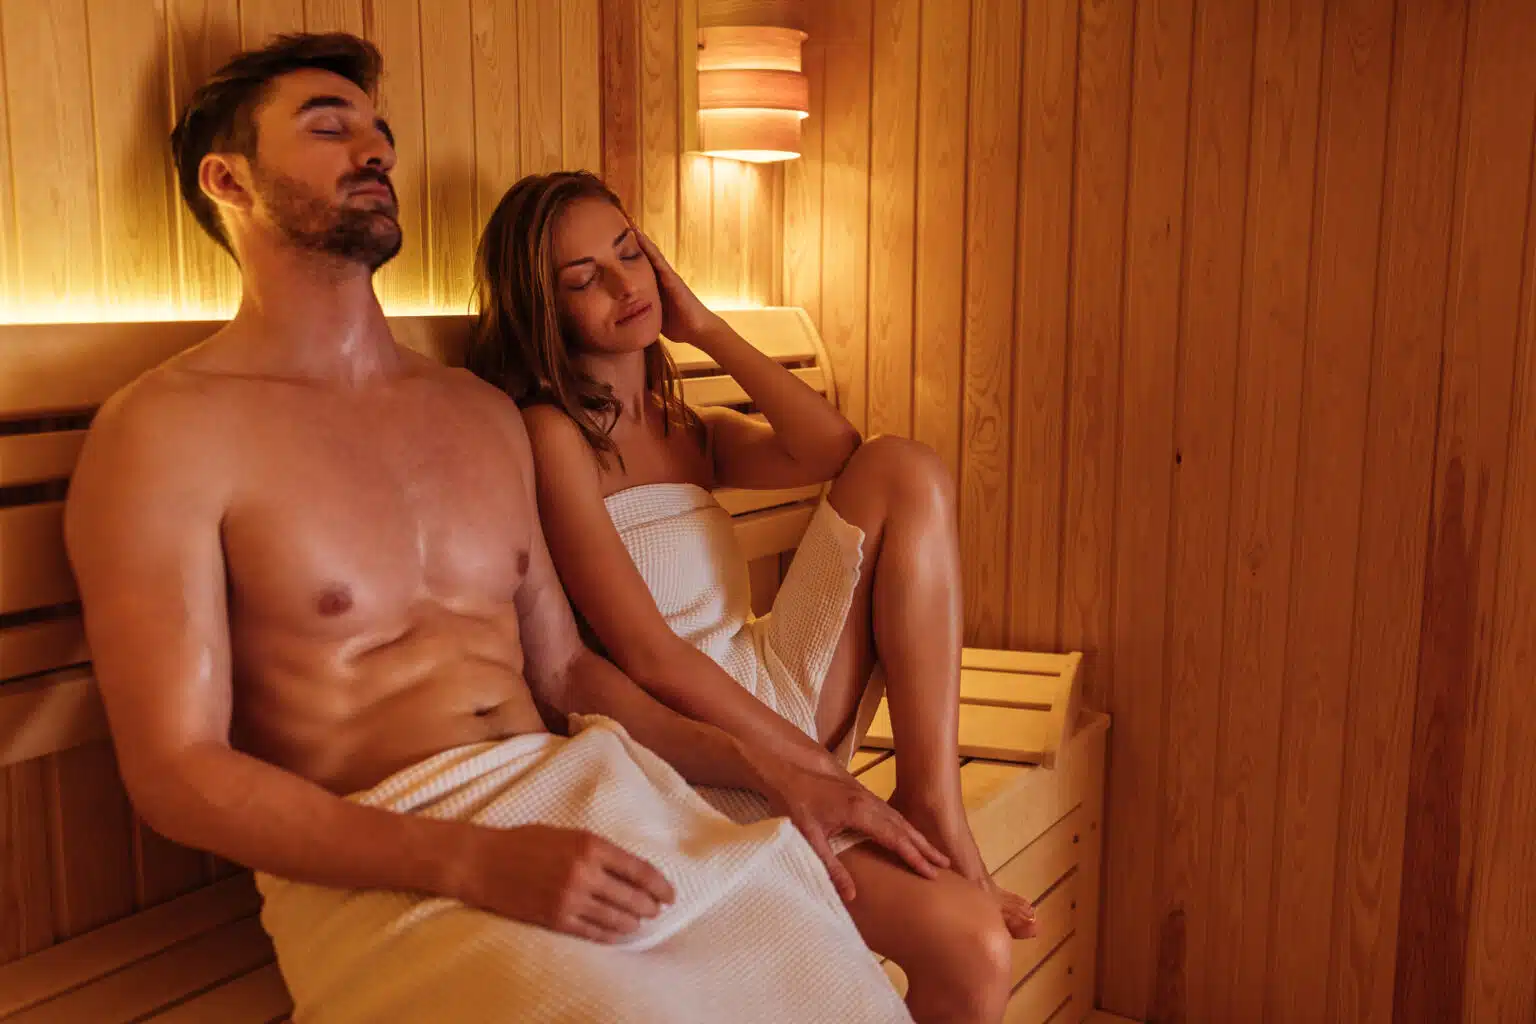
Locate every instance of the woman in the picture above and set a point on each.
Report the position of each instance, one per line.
(573, 300)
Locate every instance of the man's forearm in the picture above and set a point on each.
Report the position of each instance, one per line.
(701, 753)
(269, 819)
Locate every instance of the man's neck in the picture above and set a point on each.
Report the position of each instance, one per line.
(315, 317)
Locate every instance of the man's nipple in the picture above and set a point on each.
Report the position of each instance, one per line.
(334, 600)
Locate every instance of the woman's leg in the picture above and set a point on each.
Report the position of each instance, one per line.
(945, 933)
(906, 613)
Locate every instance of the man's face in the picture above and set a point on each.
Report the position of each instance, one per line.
(320, 176)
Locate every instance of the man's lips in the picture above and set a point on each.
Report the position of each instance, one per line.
(634, 313)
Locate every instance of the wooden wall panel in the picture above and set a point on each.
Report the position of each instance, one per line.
(26, 891)
(498, 151)
(448, 153)
(92, 839)
(1252, 343)
(394, 26)
(581, 94)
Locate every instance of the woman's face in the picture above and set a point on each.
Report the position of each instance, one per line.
(605, 288)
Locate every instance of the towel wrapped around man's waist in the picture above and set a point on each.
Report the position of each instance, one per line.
(757, 933)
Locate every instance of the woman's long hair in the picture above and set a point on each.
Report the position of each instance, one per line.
(518, 343)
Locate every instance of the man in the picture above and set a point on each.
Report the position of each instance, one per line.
(329, 637)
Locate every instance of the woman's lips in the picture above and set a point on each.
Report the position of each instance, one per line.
(634, 313)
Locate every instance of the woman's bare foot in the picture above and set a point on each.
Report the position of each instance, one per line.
(951, 834)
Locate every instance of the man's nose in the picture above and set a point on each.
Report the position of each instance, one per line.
(376, 152)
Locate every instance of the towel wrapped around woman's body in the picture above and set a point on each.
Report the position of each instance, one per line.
(756, 934)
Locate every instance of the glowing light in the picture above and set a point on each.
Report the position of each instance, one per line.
(158, 312)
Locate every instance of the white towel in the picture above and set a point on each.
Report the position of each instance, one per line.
(757, 933)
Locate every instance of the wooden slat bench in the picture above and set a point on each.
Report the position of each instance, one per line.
(102, 921)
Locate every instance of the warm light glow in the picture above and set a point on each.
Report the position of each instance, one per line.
(753, 156)
(770, 112)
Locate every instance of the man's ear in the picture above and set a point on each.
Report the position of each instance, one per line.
(224, 178)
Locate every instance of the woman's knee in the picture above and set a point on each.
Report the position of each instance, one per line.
(968, 962)
(904, 466)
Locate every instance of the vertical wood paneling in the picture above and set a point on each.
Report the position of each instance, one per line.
(539, 83)
(92, 840)
(758, 242)
(1482, 321)
(728, 265)
(10, 270)
(498, 150)
(394, 26)
(1047, 111)
(448, 96)
(992, 162)
(26, 889)
(1501, 939)
(1399, 469)
(259, 22)
(695, 225)
(136, 184)
(802, 192)
(164, 870)
(1154, 235)
(1351, 154)
(333, 16)
(1092, 411)
(847, 27)
(202, 34)
(581, 95)
(939, 262)
(1283, 170)
(1216, 191)
(56, 207)
(622, 100)
(658, 122)
(892, 212)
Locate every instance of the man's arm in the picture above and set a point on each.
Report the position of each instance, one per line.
(143, 533)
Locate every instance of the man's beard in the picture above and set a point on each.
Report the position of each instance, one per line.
(314, 223)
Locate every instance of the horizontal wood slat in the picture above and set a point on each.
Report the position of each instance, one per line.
(1043, 992)
(259, 996)
(55, 971)
(52, 368)
(41, 647)
(771, 532)
(1047, 859)
(49, 714)
(1033, 662)
(737, 501)
(33, 458)
(1000, 734)
(157, 981)
(722, 390)
(1055, 919)
(34, 571)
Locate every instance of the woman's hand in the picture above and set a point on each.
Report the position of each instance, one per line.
(683, 317)
(824, 803)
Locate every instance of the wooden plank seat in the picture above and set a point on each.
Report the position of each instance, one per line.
(1032, 773)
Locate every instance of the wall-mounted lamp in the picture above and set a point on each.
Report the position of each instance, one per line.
(744, 94)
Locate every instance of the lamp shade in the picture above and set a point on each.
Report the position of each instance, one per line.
(752, 93)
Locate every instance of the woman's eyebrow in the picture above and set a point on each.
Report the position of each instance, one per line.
(588, 259)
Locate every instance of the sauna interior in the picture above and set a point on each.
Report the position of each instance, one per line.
(1221, 313)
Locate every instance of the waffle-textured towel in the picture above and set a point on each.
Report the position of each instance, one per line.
(684, 545)
(756, 934)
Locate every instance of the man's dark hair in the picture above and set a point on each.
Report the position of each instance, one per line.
(220, 117)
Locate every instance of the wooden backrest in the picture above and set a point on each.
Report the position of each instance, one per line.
(53, 377)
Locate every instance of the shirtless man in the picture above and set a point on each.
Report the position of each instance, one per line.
(310, 558)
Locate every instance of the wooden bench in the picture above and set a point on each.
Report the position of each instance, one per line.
(116, 924)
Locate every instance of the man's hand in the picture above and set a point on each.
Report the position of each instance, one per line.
(562, 879)
(823, 802)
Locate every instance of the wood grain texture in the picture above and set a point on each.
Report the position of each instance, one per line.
(892, 212)
(659, 113)
(1215, 211)
(1287, 62)
(202, 35)
(56, 203)
(259, 22)
(1092, 412)
(394, 26)
(136, 185)
(1483, 307)
(539, 84)
(1041, 295)
(992, 169)
(1399, 470)
(498, 150)
(334, 16)
(1357, 64)
(11, 289)
(847, 28)
(1149, 357)
(727, 232)
(581, 86)
(448, 152)
(26, 892)
(938, 322)
(622, 100)
(92, 840)
(164, 870)
(1501, 936)
(803, 191)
